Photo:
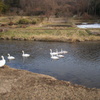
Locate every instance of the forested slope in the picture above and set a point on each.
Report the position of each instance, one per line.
(50, 7)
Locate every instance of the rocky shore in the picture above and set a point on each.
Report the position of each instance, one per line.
(24, 85)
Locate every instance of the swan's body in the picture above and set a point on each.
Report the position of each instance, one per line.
(59, 54)
(63, 52)
(25, 55)
(53, 53)
(10, 57)
(54, 57)
(2, 62)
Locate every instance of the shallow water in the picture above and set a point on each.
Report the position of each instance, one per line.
(89, 25)
(81, 65)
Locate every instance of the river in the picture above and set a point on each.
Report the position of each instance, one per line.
(85, 25)
(81, 65)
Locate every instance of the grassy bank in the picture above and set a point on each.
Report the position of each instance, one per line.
(45, 31)
(24, 85)
(64, 35)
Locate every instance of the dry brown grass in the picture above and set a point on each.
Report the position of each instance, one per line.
(41, 33)
(24, 85)
(69, 35)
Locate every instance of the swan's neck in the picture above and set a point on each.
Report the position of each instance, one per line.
(23, 52)
(56, 51)
(51, 50)
(2, 57)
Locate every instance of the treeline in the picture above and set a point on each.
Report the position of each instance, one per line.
(50, 7)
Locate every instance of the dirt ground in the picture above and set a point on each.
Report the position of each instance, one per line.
(24, 85)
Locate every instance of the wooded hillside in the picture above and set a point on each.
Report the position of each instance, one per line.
(50, 7)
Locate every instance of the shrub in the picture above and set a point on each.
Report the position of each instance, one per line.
(33, 22)
(3, 24)
(37, 20)
(1, 30)
(23, 21)
(86, 16)
(11, 23)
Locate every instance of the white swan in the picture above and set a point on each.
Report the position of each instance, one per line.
(63, 52)
(53, 53)
(59, 54)
(54, 57)
(57, 51)
(10, 57)
(25, 55)
(2, 62)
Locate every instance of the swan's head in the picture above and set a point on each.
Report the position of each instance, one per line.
(8, 54)
(22, 51)
(50, 49)
(2, 57)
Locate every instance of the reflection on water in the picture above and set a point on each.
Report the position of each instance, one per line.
(89, 26)
(81, 65)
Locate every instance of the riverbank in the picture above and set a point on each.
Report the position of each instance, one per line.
(25, 85)
(51, 34)
(47, 31)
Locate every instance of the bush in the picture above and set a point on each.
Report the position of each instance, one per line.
(3, 24)
(23, 21)
(11, 23)
(33, 22)
(86, 16)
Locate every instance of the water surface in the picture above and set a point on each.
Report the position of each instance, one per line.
(81, 65)
(96, 25)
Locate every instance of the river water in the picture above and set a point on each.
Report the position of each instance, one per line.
(85, 25)
(81, 65)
